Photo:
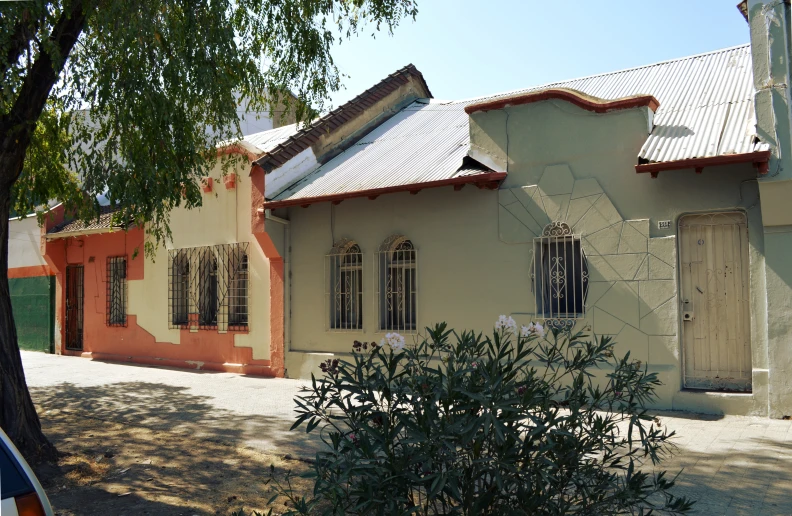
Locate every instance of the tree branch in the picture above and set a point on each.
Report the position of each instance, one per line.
(19, 43)
(16, 127)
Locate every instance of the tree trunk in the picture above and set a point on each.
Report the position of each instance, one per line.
(17, 414)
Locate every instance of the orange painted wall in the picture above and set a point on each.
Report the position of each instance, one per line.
(277, 313)
(202, 349)
(30, 272)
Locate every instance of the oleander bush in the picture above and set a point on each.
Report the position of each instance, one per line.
(517, 422)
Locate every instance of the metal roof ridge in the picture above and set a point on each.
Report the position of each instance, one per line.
(603, 74)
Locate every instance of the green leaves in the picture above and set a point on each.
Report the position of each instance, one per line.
(467, 424)
(153, 86)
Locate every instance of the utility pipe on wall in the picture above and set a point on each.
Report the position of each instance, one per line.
(287, 272)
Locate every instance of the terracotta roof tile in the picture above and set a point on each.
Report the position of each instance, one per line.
(73, 226)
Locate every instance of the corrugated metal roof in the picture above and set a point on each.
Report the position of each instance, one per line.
(706, 109)
(706, 102)
(265, 141)
(421, 143)
(303, 139)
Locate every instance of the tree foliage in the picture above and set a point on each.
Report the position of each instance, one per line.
(145, 79)
(466, 424)
(129, 99)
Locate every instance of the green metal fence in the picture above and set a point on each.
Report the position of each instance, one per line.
(33, 302)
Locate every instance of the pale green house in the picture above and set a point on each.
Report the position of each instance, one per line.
(648, 204)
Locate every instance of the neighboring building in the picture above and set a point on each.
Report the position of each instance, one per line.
(32, 282)
(32, 286)
(647, 204)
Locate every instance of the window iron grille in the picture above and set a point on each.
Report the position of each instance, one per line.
(344, 287)
(116, 312)
(209, 287)
(559, 276)
(397, 285)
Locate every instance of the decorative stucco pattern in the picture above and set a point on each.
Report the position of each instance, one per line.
(632, 292)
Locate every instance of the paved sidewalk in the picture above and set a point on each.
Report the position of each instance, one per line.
(246, 410)
(731, 465)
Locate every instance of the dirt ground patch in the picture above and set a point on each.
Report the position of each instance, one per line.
(110, 468)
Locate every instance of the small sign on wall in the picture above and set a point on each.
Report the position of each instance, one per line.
(663, 224)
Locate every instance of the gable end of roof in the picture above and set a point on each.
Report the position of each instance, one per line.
(309, 135)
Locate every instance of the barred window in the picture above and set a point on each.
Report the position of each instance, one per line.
(396, 263)
(179, 272)
(559, 274)
(238, 292)
(209, 287)
(344, 280)
(116, 291)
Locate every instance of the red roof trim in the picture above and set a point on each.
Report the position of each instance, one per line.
(577, 98)
(488, 180)
(760, 159)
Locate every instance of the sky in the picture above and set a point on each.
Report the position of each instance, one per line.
(470, 48)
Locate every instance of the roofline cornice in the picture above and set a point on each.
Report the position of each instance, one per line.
(587, 102)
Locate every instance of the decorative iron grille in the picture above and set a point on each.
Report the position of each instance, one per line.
(209, 287)
(344, 281)
(116, 312)
(397, 284)
(559, 275)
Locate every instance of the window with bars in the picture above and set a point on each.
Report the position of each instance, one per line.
(397, 282)
(559, 274)
(209, 287)
(238, 293)
(344, 280)
(116, 291)
(179, 273)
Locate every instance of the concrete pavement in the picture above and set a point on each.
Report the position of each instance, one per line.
(732, 465)
(244, 410)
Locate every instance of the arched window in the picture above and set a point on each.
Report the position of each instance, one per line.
(397, 284)
(559, 274)
(344, 265)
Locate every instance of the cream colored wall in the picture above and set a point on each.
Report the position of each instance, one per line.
(600, 150)
(466, 277)
(474, 250)
(224, 218)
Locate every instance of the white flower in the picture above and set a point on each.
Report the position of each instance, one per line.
(533, 328)
(506, 324)
(394, 340)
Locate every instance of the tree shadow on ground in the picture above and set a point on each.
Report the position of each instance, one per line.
(160, 406)
(750, 480)
(151, 448)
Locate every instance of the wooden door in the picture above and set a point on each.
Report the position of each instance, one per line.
(714, 299)
(74, 307)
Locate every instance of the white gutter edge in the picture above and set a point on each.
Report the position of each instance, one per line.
(34, 213)
(81, 232)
